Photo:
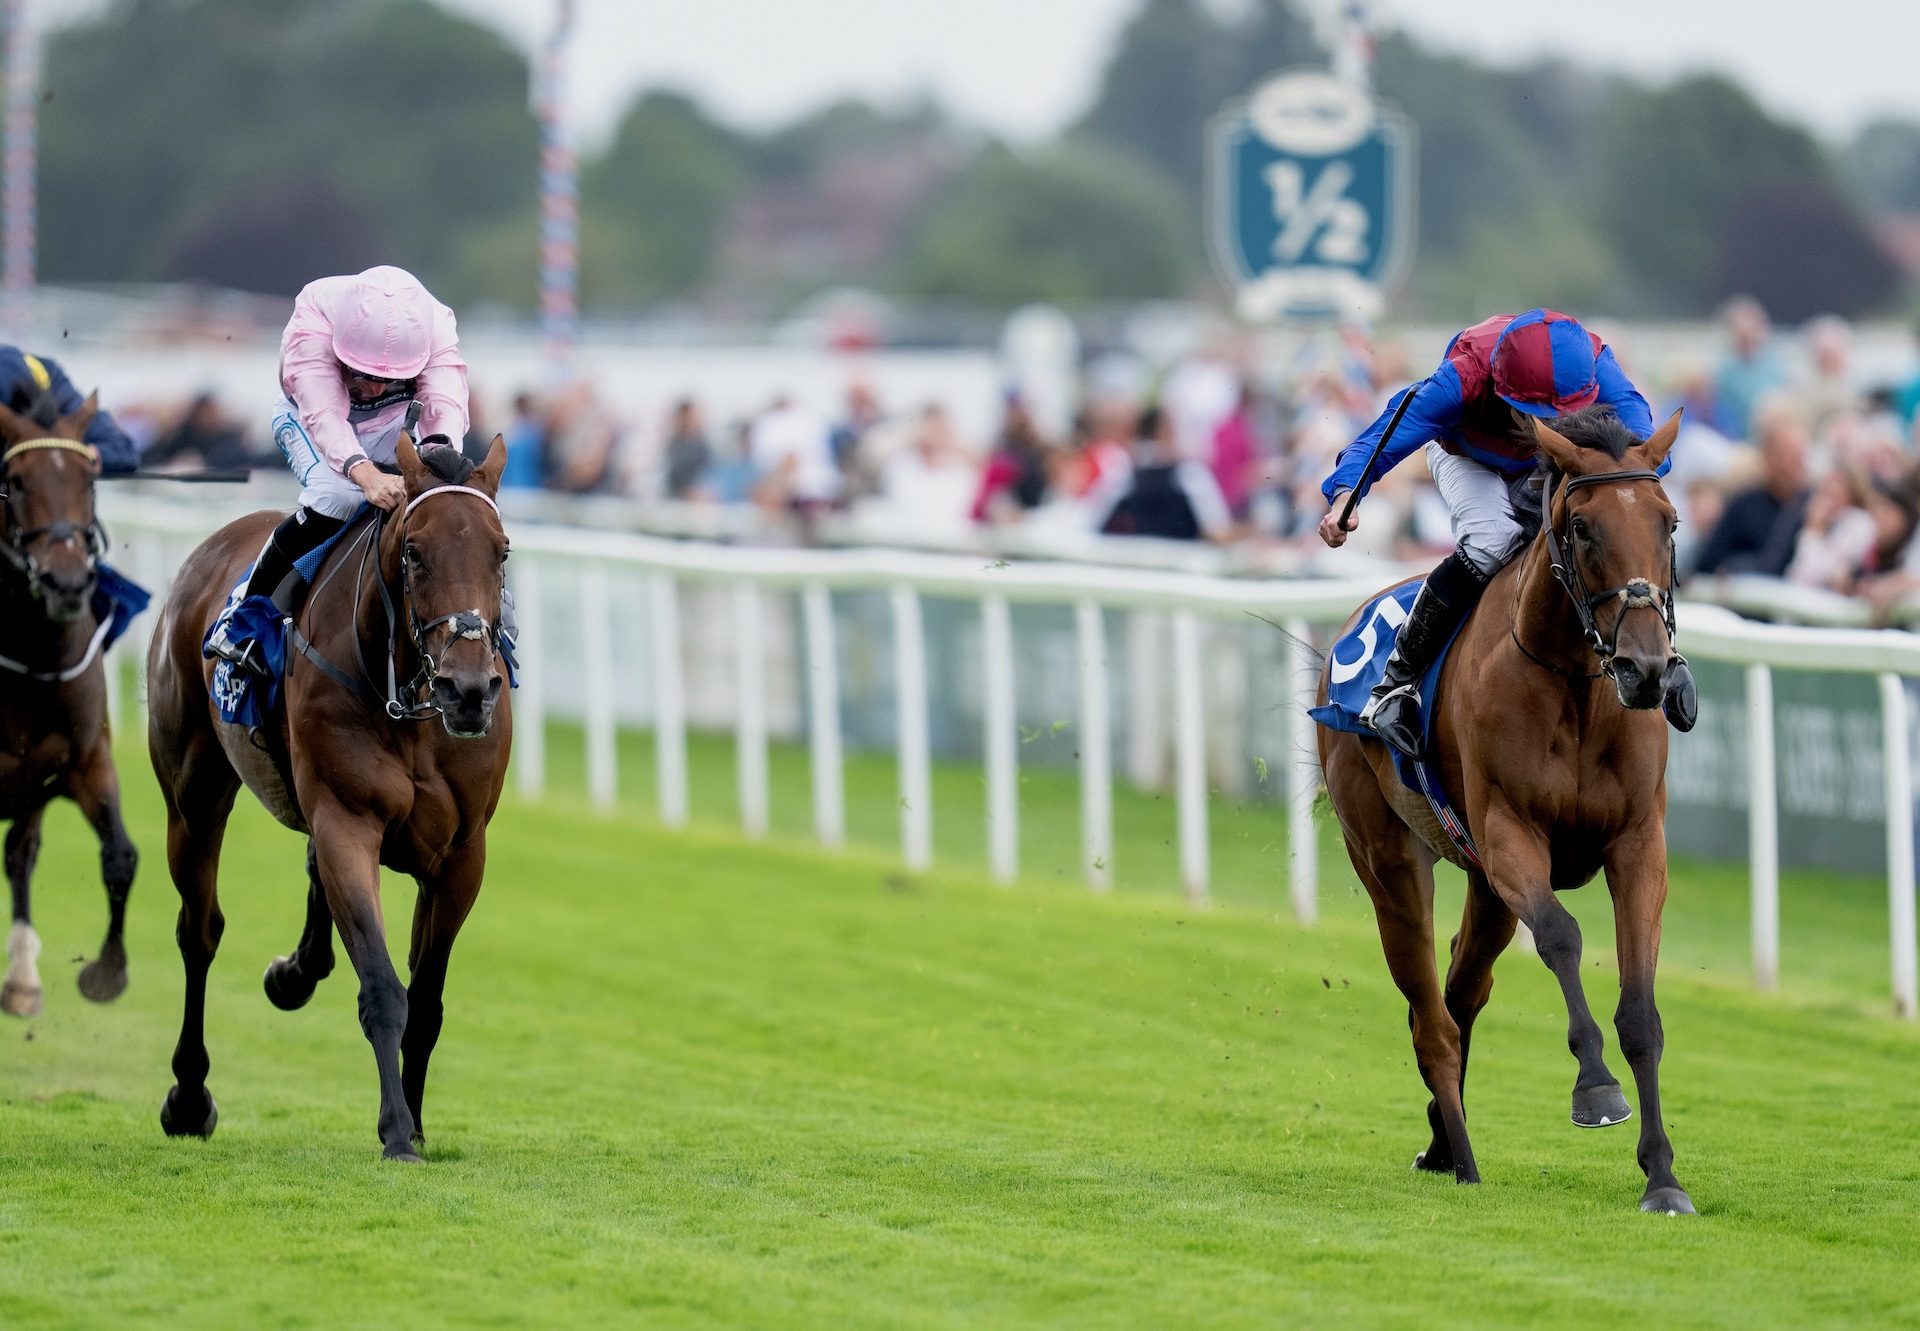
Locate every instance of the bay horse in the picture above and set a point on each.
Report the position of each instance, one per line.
(1549, 735)
(54, 739)
(350, 758)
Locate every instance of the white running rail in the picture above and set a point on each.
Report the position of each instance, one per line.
(156, 535)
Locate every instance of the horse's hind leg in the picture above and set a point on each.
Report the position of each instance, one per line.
(1519, 868)
(96, 789)
(20, 993)
(290, 981)
(438, 913)
(199, 794)
(1486, 927)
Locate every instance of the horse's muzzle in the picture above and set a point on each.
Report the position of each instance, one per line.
(1641, 685)
(466, 704)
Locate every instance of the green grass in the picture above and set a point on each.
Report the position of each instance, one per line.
(686, 1081)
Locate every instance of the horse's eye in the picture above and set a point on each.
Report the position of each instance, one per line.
(1578, 528)
(413, 557)
(504, 554)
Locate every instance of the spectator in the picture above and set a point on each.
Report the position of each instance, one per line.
(1169, 498)
(689, 454)
(526, 437)
(1236, 454)
(1756, 534)
(791, 449)
(1016, 479)
(1197, 398)
(1828, 391)
(1838, 537)
(1751, 370)
(205, 435)
(931, 483)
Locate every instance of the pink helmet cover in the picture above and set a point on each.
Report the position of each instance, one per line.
(383, 324)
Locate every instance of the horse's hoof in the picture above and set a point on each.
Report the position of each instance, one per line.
(1667, 1201)
(1431, 1162)
(404, 1155)
(20, 1000)
(286, 988)
(181, 1120)
(1600, 1106)
(103, 980)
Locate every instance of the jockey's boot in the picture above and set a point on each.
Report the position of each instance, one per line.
(1393, 710)
(302, 532)
(1682, 703)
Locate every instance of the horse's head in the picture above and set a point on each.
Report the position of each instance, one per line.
(48, 530)
(452, 555)
(1608, 528)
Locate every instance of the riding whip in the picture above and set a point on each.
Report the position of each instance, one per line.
(1353, 495)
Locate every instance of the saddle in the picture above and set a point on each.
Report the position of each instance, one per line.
(1356, 663)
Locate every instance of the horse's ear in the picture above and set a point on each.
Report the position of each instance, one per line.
(412, 470)
(15, 426)
(1652, 453)
(1560, 450)
(486, 476)
(82, 418)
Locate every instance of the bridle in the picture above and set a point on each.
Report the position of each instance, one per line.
(402, 702)
(1633, 594)
(16, 549)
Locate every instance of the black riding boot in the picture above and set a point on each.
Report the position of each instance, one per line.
(1682, 703)
(301, 533)
(1450, 593)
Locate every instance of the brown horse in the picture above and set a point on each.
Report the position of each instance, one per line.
(1549, 735)
(351, 759)
(53, 683)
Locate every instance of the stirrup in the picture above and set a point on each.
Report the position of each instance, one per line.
(1376, 700)
(1394, 717)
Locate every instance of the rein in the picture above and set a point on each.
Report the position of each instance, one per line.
(1633, 594)
(16, 552)
(465, 623)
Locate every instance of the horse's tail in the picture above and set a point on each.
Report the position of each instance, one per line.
(1304, 752)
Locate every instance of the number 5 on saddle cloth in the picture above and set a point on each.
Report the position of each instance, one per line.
(1355, 665)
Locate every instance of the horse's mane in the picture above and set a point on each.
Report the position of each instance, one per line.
(447, 462)
(1595, 427)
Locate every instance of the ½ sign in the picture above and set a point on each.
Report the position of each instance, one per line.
(1311, 197)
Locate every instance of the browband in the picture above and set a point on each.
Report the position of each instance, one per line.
(38, 445)
(425, 495)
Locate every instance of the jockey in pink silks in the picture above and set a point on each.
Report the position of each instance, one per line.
(357, 351)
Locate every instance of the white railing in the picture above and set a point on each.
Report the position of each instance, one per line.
(157, 536)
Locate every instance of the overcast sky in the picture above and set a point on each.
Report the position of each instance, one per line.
(1025, 67)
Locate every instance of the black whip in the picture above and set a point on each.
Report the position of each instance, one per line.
(1353, 496)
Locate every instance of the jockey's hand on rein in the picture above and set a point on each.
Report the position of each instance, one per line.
(1332, 530)
(382, 490)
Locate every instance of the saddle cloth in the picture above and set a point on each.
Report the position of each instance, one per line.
(1355, 665)
(241, 697)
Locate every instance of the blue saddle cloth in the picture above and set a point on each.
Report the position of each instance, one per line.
(242, 697)
(116, 600)
(1355, 665)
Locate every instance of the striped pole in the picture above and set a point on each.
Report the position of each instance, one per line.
(18, 152)
(559, 207)
(1353, 56)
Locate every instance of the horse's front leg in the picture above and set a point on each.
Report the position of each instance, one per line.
(20, 993)
(347, 851)
(444, 901)
(1520, 866)
(95, 787)
(1637, 877)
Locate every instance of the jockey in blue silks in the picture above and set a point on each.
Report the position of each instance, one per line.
(26, 379)
(1473, 417)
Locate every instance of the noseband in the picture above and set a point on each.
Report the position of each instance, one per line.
(16, 549)
(1633, 594)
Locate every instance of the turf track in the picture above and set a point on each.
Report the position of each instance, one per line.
(690, 1082)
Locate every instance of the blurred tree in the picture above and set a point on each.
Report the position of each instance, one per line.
(1803, 252)
(1882, 166)
(808, 147)
(652, 205)
(407, 119)
(1071, 222)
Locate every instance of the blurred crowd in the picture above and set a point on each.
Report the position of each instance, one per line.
(1790, 463)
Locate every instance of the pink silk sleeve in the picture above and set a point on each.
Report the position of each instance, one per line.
(311, 376)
